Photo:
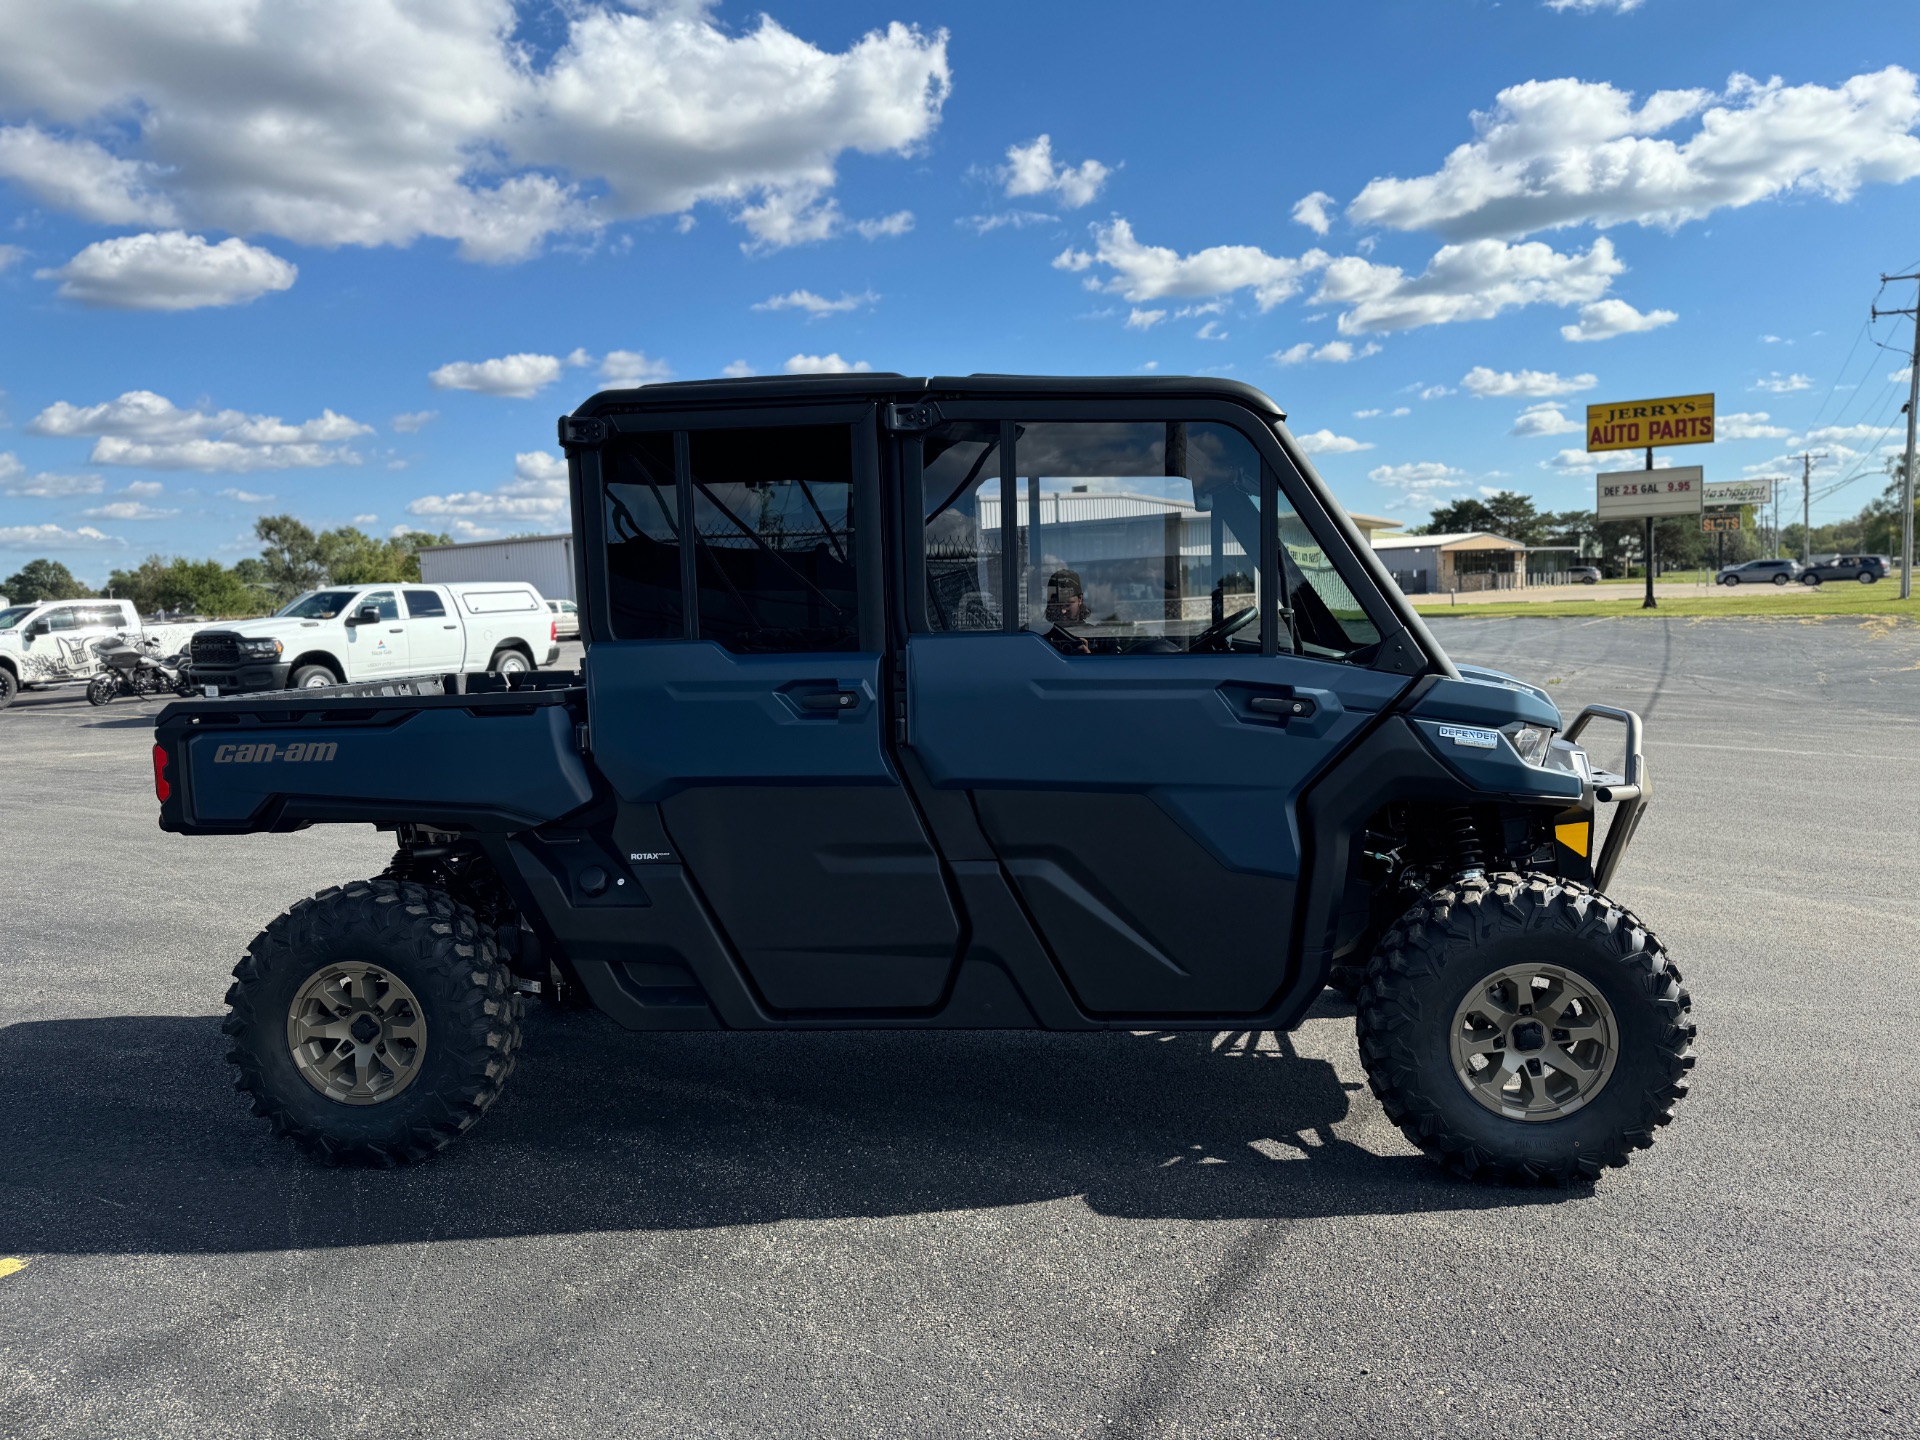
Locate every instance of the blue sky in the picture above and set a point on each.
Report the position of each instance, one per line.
(350, 262)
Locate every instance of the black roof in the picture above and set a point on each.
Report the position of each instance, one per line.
(890, 386)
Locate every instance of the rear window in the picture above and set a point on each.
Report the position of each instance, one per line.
(423, 604)
(498, 602)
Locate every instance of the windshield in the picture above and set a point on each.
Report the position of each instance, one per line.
(320, 605)
(14, 614)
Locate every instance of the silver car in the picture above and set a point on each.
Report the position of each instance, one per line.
(566, 619)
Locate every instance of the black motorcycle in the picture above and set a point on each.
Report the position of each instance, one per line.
(136, 668)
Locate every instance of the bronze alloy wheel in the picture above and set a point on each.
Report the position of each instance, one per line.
(1533, 1042)
(357, 1033)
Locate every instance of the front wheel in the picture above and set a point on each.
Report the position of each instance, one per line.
(1731, 581)
(312, 677)
(9, 687)
(101, 689)
(373, 1024)
(1526, 1029)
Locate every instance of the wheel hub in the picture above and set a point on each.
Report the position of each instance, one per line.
(1533, 1042)
(357, 1034)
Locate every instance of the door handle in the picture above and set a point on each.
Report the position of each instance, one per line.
(828, 700)
(1291, 706)
(396, 629)
(449, 627)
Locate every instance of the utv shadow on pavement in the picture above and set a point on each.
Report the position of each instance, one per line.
(123, 1136)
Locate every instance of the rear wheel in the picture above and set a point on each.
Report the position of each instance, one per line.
(1780, 579)
(508, 661)
(1526, 1029)
(1809, 579)
(312, 677)
(373, 1024)
(1867, 577)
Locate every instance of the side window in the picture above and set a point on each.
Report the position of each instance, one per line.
(960, 506)
(62, 618)
(423, 604)
(1321, 616)
(643, 539)
(773, 531)
(1137, 537)
(383, 601)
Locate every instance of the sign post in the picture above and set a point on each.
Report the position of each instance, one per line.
(1632, 424)
(1746, 495)
(1652, 494)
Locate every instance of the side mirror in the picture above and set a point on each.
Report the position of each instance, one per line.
(365, 615)
(37, 628)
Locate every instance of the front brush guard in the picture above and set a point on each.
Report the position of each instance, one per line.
(1630, 791)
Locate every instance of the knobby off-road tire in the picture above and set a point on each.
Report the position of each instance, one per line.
(437, 973)
(1463, 936)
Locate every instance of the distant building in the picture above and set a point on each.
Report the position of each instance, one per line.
(542, 561)
(1466, 560)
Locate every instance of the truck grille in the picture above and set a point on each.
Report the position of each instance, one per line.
(216, 649)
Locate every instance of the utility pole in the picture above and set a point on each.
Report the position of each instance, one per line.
(1806, 504)
(1913, 414)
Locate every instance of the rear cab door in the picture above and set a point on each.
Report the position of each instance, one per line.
(1135, 637)
(435, 641)
(734, 614)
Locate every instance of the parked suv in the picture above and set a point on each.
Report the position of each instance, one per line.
(1584, 574)
(1864, 568)
(1761, 572)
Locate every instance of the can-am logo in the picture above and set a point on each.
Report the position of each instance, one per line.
(252, 754)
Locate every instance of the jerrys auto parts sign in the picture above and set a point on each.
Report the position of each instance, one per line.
(1636, 424)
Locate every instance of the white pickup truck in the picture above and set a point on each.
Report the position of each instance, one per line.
(351, 633)
(51, 642)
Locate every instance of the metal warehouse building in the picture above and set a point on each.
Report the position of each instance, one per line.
(542, 561)
(1468, 560)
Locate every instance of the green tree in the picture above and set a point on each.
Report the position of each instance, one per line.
(142, 585)
(1506, 512)
(289, 557)
(43, 580)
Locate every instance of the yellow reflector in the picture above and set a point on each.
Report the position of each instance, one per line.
(1577, 837)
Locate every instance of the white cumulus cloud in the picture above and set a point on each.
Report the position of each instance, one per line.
(1604, 319)
(1334, 352)
(623, 368)
(1589, 7)
(1153, 272)
(127, 510)
(816, 306)
(148, 431)
(830, 364)
(17, 482)
(412, 422)
(1419, 481)
(1569, 152)
(1474, 281)
(170, 270)
(1545, 419)
(1325, 442)
(1311, 211)
(1778, 384)
(1748, 425)
(53, 537)
(536, 496)
(369, 122)
(1031, 170)
(519, 376)
(1483, 380)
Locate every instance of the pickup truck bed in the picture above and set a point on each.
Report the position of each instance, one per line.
(495, 759)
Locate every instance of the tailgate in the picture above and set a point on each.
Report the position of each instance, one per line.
(504, 762)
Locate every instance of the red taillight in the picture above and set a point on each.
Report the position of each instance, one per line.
(553, 632)
(161, 788)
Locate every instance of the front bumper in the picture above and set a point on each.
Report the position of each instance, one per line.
(242, 679)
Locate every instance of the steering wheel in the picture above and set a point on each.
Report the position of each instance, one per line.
(1214, 637)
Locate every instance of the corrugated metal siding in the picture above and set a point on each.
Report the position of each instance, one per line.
(542, 561)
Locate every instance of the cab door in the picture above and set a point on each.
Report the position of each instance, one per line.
(434, 639)
(1132, 657)
(734, 684)
(380, 647)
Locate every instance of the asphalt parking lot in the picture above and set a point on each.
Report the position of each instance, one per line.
(960, 1234)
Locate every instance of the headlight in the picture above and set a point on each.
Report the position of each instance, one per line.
(261, 649)
(1530, 742)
